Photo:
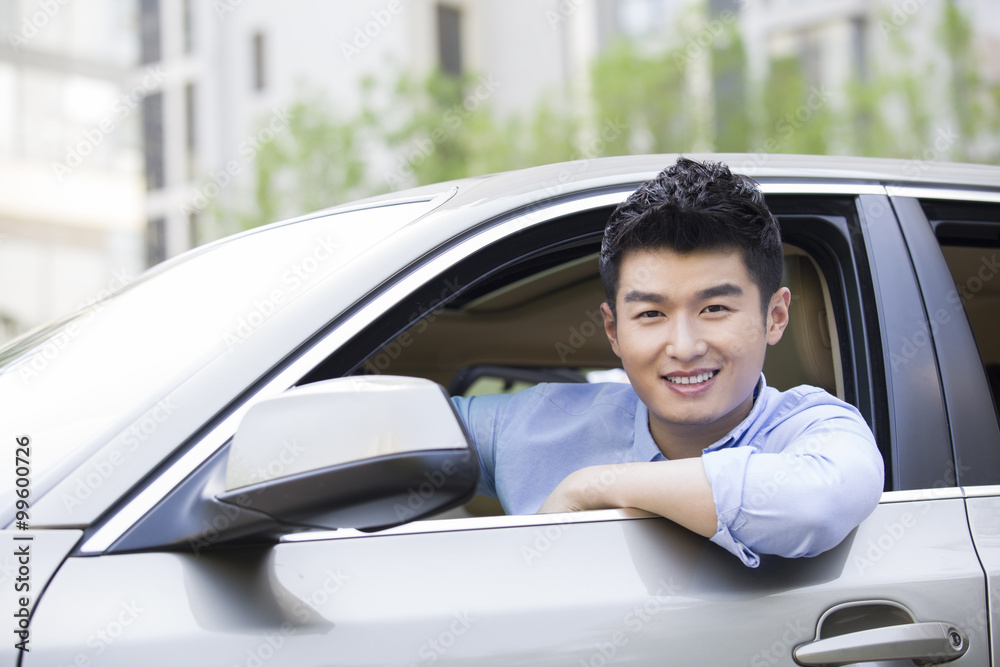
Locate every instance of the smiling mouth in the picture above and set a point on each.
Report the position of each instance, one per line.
(692, 379)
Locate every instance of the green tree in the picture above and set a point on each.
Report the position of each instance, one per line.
(314, 162)
(419, 130)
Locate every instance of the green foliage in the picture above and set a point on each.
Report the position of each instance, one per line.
(645, 93)
(413, 131)
(733, 120)
(315, 161)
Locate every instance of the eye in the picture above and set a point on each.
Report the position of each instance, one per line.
(649, 314)
(716, 308)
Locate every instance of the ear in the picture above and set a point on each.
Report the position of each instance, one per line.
(777, 315)
(610, 328)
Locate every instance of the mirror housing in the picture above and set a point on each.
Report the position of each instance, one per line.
(365, 452)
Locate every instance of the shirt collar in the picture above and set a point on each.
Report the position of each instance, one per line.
(643, 443)
(646, 449)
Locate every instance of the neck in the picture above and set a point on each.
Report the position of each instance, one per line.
(684, 441)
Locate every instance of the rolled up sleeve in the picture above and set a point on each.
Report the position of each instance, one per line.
(798, 491)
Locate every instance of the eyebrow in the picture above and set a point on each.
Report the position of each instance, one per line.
(725, 289)
(643, 297)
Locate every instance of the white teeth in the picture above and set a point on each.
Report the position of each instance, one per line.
(695, 379)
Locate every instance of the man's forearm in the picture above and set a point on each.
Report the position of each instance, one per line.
(677, 490)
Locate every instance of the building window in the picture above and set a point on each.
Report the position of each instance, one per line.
(189, 127)
(149, 26)
(259, 79)
(188, 28)
(152, 138)
(449, 31)
(194, 230)
(9, 328)
(859, 49)
(156, 241)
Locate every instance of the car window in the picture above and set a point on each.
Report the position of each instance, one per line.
(97, 367)
(547, 327)
(974, 268)
(512, 317)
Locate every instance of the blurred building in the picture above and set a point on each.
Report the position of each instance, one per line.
(71, 196)
(232, 68)
(123, 123)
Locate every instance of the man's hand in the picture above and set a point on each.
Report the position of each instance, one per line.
(677, 490)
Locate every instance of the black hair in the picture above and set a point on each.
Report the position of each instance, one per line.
(696, 206)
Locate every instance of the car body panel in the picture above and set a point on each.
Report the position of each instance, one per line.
(984, 521)
(625, 589)
(24, 576)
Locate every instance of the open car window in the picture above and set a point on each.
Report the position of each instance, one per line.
(527, 310)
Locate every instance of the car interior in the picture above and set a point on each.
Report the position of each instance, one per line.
(973, 269)
(512, 332)
(547, 327)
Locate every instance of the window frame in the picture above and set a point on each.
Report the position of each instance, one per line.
(971, 414)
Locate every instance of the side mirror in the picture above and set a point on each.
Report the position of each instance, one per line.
(365, 452)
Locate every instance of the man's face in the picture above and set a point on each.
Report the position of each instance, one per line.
(691, 337)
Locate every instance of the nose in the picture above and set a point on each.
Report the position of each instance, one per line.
(684, 341)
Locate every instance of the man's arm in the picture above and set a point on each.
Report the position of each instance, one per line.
(677, 490)
(800, 501)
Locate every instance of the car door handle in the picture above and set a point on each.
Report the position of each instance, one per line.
(925, 642)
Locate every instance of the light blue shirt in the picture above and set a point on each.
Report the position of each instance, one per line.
(793, 478)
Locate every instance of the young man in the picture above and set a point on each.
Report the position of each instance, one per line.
(691, 264)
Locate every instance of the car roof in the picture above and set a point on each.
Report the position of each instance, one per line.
(587, 173)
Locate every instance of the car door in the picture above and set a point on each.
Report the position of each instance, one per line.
(585, 589)
(954, 236)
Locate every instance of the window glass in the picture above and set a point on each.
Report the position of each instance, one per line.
(114, 360)
(977, 289)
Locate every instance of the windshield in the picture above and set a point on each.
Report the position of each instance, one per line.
(67, 384)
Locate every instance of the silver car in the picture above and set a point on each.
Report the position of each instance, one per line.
(247, 456)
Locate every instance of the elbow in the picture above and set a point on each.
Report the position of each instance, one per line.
(820, 525)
